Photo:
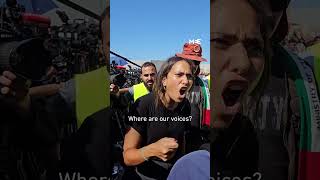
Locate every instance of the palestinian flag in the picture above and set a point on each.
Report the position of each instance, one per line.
(315, 51)
(205, 121)
(309, 147)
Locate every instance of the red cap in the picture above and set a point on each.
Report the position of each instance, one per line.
(192, 51)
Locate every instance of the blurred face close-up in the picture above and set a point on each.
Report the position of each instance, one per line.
(148, 75)
(237, 50)
(178, 82)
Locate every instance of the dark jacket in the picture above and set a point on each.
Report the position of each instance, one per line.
(234, 151)
(28, 141)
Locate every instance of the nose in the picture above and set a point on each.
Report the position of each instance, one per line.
(149, 77)
(239, 61)
(185, 80)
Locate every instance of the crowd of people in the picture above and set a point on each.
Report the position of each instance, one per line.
(258, 125)
(175, 91)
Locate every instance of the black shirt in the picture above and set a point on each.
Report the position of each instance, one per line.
(89, 150)
(234, 151)
(177, 122)
(269, 114)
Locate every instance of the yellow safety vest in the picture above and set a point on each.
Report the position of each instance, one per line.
(139, 90)
(88, 103)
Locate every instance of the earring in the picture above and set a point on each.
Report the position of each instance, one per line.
(164, 87)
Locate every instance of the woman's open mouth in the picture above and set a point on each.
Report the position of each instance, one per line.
(183, 92)
(233, 91)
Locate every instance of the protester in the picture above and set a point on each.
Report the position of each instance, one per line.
(278, 113)
(153, 145)
(198, 97)
(240, 67)
(199, 94)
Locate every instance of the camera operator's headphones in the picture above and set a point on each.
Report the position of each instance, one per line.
(282, 29)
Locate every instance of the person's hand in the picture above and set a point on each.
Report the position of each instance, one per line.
(166, 148)
(9, 95)
(114, 89)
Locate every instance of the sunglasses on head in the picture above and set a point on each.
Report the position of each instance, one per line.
(279, 5)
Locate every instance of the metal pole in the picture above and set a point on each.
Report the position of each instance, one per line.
(80, 8)
(125, 59)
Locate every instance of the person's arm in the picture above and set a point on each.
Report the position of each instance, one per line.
(123, 90)
(45, 90)
(134, 155)
(131, 153)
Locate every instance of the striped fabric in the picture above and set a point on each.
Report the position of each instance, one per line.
(309, 147)
(315, 51)
(205, 121)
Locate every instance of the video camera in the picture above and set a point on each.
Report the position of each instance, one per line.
(74, 46)
(21, 42)
(124, 78)
(29, 45)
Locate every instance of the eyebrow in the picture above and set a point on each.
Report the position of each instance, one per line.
(181, 72)
(233, 37)
(230, 37)
(149, 74)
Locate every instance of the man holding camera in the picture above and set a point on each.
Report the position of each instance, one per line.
(148, 74)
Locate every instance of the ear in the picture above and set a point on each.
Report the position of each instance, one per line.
(164, 81)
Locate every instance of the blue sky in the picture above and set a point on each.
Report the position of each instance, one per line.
(305, 3)
(156, 30)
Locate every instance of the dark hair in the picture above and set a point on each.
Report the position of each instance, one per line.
(147, 64)
(158, 87)
(261, 11)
